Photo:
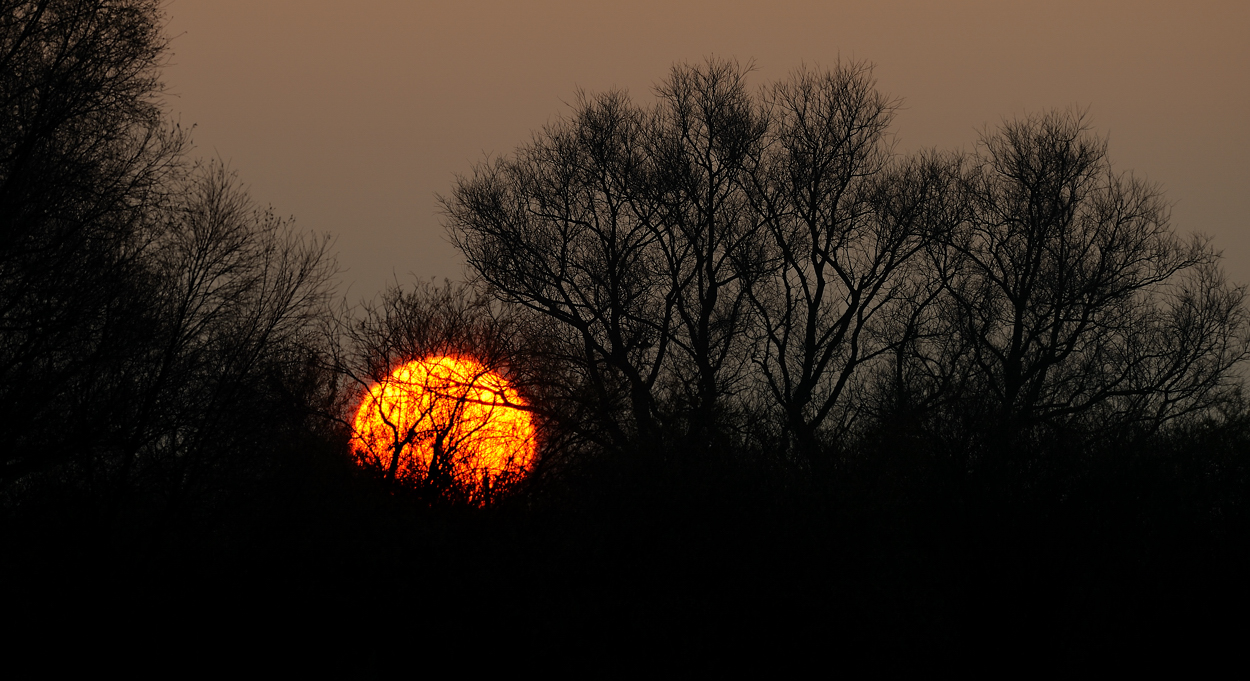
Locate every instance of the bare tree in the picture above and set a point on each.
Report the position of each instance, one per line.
(156, 345)
(86, 162)
(1073, 294)
(682, 241)
(566, 230)
(233, 292)
(844, 222)
(707, 134)
(619, 226)
(390, 352)
(670, 251)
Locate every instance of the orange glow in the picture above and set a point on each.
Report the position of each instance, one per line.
(449, 421)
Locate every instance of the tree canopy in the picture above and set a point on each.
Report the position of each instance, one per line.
(724, 255)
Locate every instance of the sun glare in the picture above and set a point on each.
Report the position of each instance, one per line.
(446, 420)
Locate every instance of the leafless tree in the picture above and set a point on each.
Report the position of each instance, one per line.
(707, 134)
(683, 255)
(845, 222)
(234, 292)
(86, 162)
(376, 346)
(566, 230)
(157, 353)
(619, 228)
(1073, 294)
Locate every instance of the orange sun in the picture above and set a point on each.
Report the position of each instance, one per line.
(448, 421)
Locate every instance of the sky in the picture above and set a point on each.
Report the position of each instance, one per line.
(354, 117)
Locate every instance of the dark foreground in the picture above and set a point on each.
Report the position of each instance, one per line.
(741, 561)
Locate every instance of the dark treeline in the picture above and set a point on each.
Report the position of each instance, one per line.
(158, 337)
(723, 272)
(780, 371)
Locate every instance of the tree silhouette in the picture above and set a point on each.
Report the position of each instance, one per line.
(234, 295)
(85, 161)
(621, 225)
(690, 256)
(845, 221)
(1071, 299)
(708, 131)
(157, 326)
(688, 244)
(426, 395)
(565, 230)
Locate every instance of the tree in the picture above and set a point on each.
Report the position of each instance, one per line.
(619, 227)
(705, 139)
(233, 295)
(435, 368)
(156, 325)
(844, 222)
(1077, 302)
(85, 160)
(689, 244)
(566, 230)
(686, 257)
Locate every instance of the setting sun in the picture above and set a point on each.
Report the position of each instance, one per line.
(446, 420)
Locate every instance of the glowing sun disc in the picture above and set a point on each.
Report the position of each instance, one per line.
(445, 416)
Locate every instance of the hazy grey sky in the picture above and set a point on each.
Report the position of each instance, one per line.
(353, 116)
